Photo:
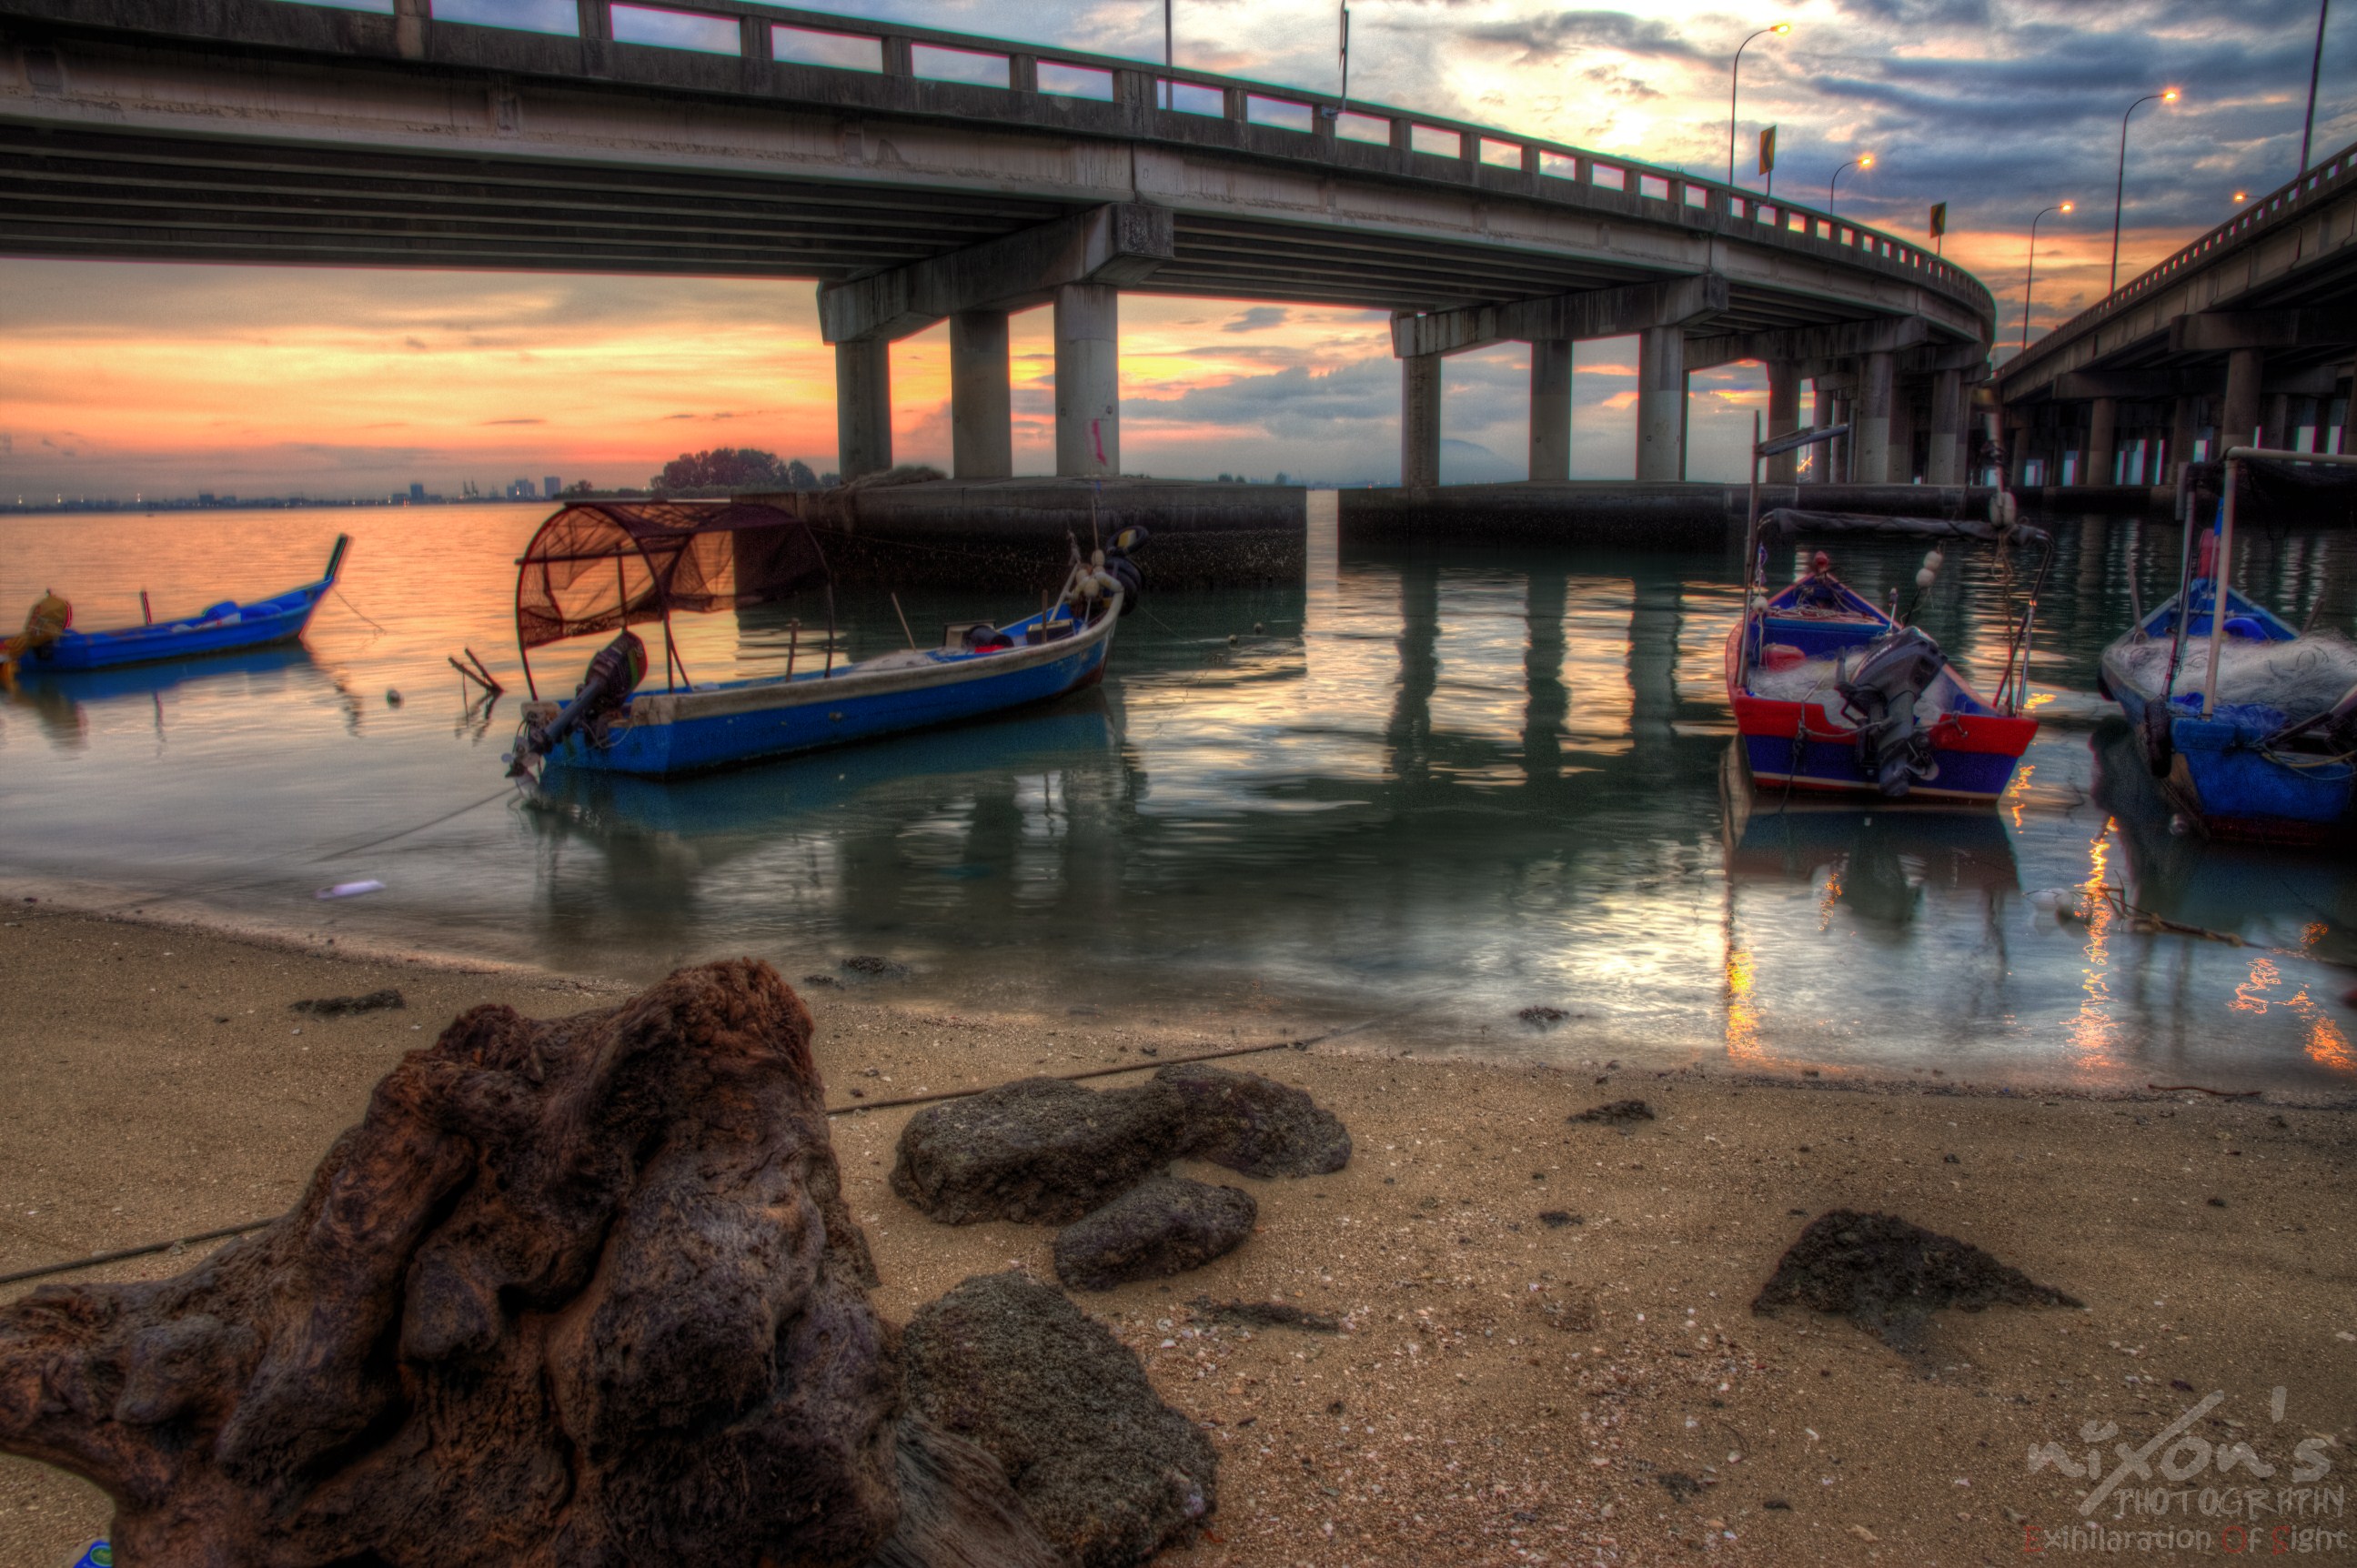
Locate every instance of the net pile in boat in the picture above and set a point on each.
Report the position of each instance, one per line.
(1819, 679)
(2304, 676)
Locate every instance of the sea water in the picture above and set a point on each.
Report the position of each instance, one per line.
(1428, 787)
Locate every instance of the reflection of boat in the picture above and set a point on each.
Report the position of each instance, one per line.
(225, 628)
(1832, 694)
(150, 680)
(603, 566)
(1913, 845)
(2264, 892)
(2264, 747)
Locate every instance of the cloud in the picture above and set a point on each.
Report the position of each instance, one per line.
(512, 421)
(1259, 319)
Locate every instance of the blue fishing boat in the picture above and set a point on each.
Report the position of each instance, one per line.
(229, 626)
(605, 566)
(1831, 693)
(2250, 724)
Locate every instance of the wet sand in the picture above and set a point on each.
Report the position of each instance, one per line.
(1631, 1408)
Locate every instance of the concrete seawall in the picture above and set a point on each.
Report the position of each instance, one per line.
(1011, 534)
(1619, 513)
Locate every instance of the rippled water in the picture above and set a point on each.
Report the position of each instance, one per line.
(1435, 786)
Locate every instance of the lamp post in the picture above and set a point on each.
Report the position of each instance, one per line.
(1864, 160)
(2120, 184)
(2029, 282)
(1734, 78)
(2315, 69)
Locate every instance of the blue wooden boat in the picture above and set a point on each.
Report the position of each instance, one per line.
(2250, 725)
(1833, 694)
(598, 566)
(225, 628)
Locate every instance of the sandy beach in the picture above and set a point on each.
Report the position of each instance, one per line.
(1505, 1388)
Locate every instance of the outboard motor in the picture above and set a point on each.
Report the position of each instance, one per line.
(611, 677)
(1879, 697)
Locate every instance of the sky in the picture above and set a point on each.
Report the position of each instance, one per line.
(121, 379)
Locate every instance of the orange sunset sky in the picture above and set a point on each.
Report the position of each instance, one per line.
(125, 378)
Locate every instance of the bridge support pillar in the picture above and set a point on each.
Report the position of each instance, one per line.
(1660, 404)
(1784, 417)
(2016, 452)
(1420, 420)
(2275, 428)
(2240, 416)
(1821, 462)
(2103, 442)
(2183, 430)
(2349, 414)
(863, 406)
(1902, 435)
(1870, 420)
(1088, 379)
(982, 423)
(1946, 462)
(1551, 408)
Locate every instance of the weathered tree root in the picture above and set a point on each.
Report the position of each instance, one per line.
(575, 1292)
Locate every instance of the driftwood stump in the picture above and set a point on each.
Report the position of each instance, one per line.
(575, 1292)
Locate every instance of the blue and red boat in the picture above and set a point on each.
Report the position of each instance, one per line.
(1833, 693)
(229, 626)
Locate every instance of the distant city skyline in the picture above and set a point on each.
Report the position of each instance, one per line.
(127, 379)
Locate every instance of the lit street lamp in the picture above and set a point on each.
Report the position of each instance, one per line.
(2028, 282)
(2120, 184)
(1864, 160)
(1734, 78)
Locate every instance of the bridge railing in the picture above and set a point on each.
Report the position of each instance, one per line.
(1425, 144)
(2274, 210)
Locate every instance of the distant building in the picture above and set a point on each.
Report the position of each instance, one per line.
(416, 493)
(204, 498)
(521, 490)
(550, 486)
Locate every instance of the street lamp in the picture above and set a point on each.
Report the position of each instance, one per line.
(2027, 282)
(1864, 160)
(2119, 186)
(1734, 76)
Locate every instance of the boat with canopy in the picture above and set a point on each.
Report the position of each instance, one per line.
(50, 642)
(1833, 692)
(2257, 736)
(599, 567)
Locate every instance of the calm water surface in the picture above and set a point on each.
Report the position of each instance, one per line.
(1440, 786)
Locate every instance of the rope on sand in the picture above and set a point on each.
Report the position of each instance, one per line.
(95, 1259)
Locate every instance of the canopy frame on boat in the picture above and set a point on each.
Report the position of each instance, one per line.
(697, 556)
(1790, 523)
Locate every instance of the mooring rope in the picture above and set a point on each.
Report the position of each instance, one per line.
(1302, 1044)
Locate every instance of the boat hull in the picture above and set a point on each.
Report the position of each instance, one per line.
(667, 735)
(262, 623)
(2218, 777)
(2220, 774)
(1797, 746)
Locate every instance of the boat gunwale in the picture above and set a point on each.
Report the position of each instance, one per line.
(770, 694)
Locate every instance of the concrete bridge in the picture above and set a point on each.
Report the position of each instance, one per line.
(2251, 327)
(919, 177)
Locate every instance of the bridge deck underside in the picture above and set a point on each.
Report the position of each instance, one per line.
(96, 194)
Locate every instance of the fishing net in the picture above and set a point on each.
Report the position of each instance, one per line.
(598, 566)
(2296, 679)
(1817, 681)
